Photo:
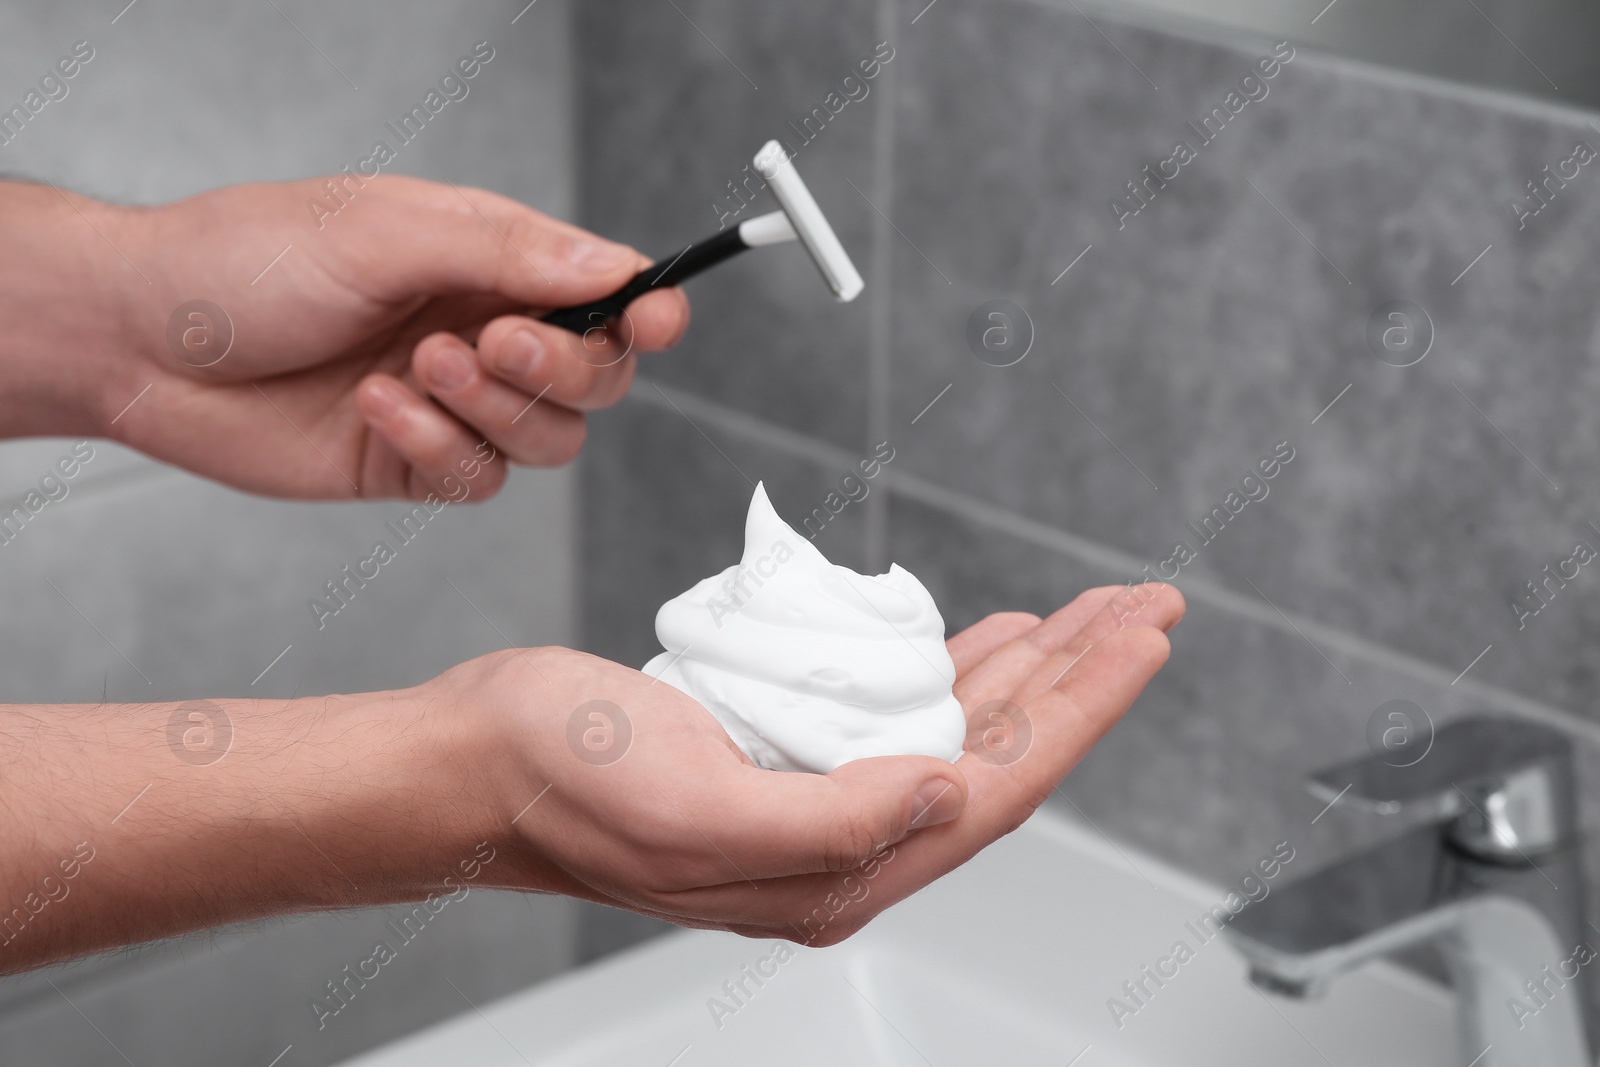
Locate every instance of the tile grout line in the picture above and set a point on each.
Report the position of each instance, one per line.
(881, 312)
(1114, 560)
(1243, 41)
(736, 422)
(1217, 596)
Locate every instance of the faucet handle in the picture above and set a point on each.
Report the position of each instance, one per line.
(1503, 787)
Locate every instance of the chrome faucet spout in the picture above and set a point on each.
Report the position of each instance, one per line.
(1493, 882)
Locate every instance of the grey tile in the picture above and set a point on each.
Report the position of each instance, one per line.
(35, 465)
(604, 931)
(1208, 768)
(667, 119)
(235, 111)
(1183, 347)
(200, 588)
(246, 993)
(664, 502)
(1547, 59)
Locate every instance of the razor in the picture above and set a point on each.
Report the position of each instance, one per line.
(799, 219)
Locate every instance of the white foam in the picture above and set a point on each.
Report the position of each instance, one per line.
(809, 665)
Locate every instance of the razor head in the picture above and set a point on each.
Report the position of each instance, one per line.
(810, 225)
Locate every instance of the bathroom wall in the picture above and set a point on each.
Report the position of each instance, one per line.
(1537, 47)
(168, 587)
(1232, 314)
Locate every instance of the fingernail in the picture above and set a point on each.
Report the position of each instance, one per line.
(384, 399)
(598, 256)
(938, 801)
(451, 368)
(521, 354)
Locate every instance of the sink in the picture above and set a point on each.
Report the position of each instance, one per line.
(1009, 960)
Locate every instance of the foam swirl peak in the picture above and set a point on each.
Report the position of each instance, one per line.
(807, 664)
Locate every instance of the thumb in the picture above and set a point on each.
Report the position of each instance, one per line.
(812, 823)
(432, 238)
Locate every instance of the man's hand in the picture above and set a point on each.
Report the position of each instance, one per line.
(536, 769)
(375, 352)
(683, 827)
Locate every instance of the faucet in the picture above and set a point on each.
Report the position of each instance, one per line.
(1490, 878)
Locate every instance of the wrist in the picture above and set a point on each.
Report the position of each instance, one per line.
(209, 812)
(484, 739)
(66, 294)
(384, 794)
(497, 750)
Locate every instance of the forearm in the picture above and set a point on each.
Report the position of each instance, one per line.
(120, 828)
(65, 291)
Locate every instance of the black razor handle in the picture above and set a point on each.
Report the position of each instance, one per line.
(659, 275)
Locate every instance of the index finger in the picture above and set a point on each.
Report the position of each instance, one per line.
(1066, 633)
(978, 642)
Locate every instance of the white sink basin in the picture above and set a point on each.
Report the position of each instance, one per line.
(1010, 960)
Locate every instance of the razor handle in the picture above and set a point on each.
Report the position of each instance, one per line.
(659, 275)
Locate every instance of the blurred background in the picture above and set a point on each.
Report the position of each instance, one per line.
(203, 588)
(1173, 335)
